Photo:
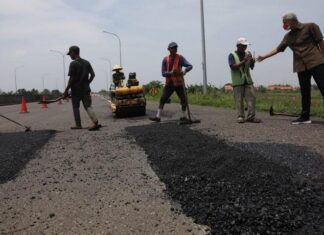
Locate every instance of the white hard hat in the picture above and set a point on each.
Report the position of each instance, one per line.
(242, 41)
(117, 67)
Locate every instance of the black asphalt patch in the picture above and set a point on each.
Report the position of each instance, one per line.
(236, 190)
(17, 149)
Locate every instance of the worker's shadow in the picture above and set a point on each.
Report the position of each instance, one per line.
(318, 122)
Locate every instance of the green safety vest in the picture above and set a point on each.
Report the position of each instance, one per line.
(240, 75)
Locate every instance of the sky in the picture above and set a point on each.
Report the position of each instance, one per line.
(30, 29)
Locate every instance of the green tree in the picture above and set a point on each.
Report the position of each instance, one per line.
(34, 91)
(21, 92)
(46, 92)
(56, 93)
(103, 92)
(155, 83)
(262, 89)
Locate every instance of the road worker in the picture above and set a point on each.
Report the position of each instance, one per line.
(241, 62)
(118, 76)
(81, 75)
(174, 67)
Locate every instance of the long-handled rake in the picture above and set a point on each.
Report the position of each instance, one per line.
(27, 128)
(190, 119)
(273, 113)
(53, 101)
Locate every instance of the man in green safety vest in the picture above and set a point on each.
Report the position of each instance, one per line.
(241, 62)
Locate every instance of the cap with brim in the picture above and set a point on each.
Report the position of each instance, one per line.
(242, 41)
(73, 48)
(172, 45)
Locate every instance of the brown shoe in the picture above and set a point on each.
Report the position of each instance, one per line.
(76, 127)
(95, 127)
(254, 120)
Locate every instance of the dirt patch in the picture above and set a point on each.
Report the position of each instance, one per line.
(236, 189)
(17, 149)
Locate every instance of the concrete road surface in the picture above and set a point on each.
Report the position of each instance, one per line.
(81, 182)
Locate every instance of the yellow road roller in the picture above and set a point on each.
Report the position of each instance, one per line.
(128, 100)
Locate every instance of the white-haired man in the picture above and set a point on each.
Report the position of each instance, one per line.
(306, 42)
(240, 62)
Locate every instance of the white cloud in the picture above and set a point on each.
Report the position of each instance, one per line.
(21, 7)
(30, 28)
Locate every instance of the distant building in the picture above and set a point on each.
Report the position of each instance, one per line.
(228, 87)
(261, 88)
(280, 88)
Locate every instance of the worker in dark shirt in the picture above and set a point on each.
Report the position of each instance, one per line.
(81, 75)
(306, 42)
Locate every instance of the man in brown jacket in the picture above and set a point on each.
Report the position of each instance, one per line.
(306, 42)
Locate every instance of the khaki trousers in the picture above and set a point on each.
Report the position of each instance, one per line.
(247, 93)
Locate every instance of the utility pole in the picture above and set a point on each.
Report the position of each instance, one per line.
(204, 66)
(63, 55)
(18, 67)
(43, 80)
(109, 62)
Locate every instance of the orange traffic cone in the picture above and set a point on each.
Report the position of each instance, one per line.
(23, 105)
(44, 105)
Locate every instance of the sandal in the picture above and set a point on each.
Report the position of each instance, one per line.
(95, 127)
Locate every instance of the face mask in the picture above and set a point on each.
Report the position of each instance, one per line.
(286, 26)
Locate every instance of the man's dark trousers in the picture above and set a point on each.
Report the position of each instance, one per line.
(305, 86)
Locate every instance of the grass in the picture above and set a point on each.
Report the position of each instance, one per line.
(281, 101)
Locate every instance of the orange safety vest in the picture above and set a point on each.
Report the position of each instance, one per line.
(178, 79)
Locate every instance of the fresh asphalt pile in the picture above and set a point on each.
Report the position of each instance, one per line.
(246, 188)
(17, 149)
